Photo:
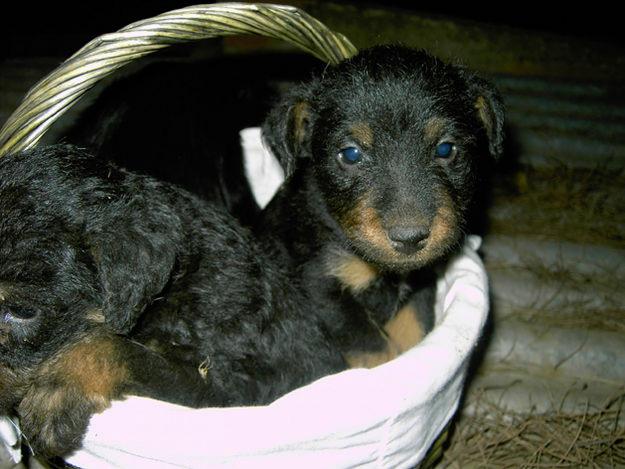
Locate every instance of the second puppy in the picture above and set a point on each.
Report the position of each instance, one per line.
(112, 283)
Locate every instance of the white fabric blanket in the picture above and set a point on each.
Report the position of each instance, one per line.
(384, 417)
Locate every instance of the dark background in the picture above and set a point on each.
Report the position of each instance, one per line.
(25, 32)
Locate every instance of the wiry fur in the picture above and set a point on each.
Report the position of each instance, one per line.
(115, 283)
(335, 221)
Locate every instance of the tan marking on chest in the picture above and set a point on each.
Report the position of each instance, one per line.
(353, 273)
(404, 329)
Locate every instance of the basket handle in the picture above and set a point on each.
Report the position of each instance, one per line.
(57, 92)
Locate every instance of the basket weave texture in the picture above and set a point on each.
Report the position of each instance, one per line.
(58, 91)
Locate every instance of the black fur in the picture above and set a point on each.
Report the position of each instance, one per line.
(189, 135)
(88, 252)
(400, 211)
(167, 296)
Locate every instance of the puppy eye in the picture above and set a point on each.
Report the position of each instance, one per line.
(350, 156)
(445, 150)
(13, 312)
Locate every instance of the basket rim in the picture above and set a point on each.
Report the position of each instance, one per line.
(54, 94)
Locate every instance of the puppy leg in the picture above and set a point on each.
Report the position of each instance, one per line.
(401, 332)
(83, 379)
(366, 343)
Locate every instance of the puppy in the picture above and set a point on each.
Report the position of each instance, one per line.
(114, 283)
(385, 155)
(127, 281)
(189, 135)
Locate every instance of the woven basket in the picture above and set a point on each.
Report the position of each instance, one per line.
(56, 93)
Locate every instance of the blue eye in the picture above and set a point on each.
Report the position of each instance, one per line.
(445, 150)
(350, 155)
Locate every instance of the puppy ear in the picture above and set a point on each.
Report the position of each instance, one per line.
(134, 264)
(287, 128)
(490, 110)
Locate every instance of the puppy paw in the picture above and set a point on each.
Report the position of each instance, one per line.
(54, 420)
(66, 391)
(12, 388)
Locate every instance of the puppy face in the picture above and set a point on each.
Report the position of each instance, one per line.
(395, 139)
(43, 288)
(47, 296)
(79, 246)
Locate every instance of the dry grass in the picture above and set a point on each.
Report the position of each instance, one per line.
(493, 438)
(574, 317)
(572, 204)
(584, 313)
(582, 206)
(574, 313)
(579, 205)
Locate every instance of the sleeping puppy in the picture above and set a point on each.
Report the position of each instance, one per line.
(385, 156)
(180, 121)
(112, 283)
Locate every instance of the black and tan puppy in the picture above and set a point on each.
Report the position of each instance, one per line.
(384, 155)
(114, 283)
(189, 134)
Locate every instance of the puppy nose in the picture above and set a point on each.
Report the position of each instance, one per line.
(407, 239)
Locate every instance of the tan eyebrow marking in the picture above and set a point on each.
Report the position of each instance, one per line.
(362, 132)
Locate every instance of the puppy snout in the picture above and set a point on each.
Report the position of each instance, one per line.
(408, 239)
